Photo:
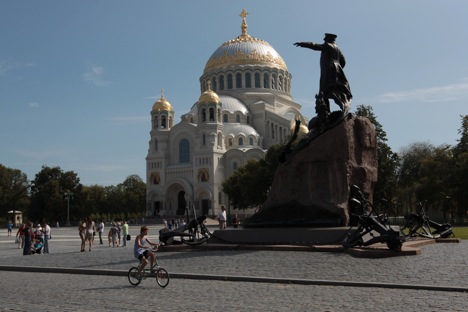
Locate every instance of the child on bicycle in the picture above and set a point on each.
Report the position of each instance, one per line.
(141, 251)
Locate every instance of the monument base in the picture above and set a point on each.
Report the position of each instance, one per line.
(277, 236)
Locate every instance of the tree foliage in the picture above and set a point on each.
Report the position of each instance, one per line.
(249, 185)
(48, 190)
(14, 190)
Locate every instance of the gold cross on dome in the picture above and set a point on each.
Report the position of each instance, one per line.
(244, 13)
(244, 23)
(162, 93)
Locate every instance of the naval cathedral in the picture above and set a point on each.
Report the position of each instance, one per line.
(245, 107)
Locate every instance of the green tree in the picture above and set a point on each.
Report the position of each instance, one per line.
(94, 197)
(460, 175)
(14, 190)
(426, 174)
(134, 195)
(388, 162)
(249, 185)
(47, 195)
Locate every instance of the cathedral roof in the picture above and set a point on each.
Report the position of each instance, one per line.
(236, 129)
(232, 105)
(245, 50)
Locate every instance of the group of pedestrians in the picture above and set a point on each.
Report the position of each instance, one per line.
(86, 230)
(33, 240)
(117, 235)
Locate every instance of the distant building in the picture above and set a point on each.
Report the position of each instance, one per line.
(245, 107)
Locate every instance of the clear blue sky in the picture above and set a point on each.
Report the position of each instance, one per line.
(78, 78)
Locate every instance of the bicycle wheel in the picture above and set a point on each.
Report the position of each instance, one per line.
(162, 277)
(133, 277)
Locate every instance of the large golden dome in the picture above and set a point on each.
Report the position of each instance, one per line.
(244, 50)
(162, 104)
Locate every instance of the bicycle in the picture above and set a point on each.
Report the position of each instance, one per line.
(162, 276)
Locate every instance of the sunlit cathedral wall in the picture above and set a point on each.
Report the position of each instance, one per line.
(245, 107)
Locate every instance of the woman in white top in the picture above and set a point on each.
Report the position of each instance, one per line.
(141, 251)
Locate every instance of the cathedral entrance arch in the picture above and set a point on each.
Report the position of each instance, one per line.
(181, 203)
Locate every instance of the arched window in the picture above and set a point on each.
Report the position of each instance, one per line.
(280, 83)
(251, 141)
(163, 122)
(257, 80)
(221, 82)
(155, 122)
(240, 141)
(266, 81)
(204, 139)
(248, 82)
(229, 81)
(238, 81)
(273, 81)
(220, 140)
(211, 110)
(155, 144)
(225, 118)
(234, 165)
(230, 142)
(238, 118)
(213, 84)
(203, 112)
(248, 120)
(184, 151)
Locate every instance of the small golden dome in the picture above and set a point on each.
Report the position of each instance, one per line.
(162, 104)
(302, 128)
(209, 96)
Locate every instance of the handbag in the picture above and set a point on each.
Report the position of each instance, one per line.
(129, 237)
(17, 240)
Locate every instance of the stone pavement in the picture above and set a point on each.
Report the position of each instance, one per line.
(231, 280)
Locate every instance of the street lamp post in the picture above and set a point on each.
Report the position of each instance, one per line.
(68, 195)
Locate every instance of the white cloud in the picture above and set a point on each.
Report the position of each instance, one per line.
(446, 93)
(94, 76)
(6, 66)
(34, 105)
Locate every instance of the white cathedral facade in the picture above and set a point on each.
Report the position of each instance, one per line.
(244, 108)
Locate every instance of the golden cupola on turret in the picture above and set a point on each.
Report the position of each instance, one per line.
(162, 104)
(162, 114)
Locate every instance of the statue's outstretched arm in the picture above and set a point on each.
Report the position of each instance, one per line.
(310, 45)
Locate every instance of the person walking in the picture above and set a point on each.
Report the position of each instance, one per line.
(9, 227)
(118, 233)
(20, 236)
(222, 218)
(89, 235)
(115, 233)
(27, 232)
(100, 231)
(82, 233)
(124, 233)
(46, 232)
(236, 221)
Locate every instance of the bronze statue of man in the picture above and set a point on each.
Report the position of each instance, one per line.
(333, 82)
